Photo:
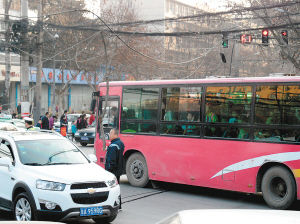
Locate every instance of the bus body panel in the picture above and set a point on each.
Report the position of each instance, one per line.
(196, 161)
(215, 163)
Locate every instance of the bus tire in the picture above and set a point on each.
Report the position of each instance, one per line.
(278, 188)
(137, 170)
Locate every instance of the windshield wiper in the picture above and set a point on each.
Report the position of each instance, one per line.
(33, 164)
(58, 153)
(49, 163)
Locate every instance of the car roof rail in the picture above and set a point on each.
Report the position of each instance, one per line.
(48, 131)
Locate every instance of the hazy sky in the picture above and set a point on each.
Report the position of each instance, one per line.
(214, 4)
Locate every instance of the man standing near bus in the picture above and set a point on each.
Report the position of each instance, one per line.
(114, 156)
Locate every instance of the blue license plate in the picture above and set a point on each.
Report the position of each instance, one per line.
(84, 138)
(92, 211)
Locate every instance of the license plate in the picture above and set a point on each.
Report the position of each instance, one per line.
(84, 138)
(91, 211)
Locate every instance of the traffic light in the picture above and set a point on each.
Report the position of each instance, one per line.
(265, 37)
(225, 41)
(246, 38)
(284, 34)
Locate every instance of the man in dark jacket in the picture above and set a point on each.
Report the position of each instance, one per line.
(114, 156)
(45, 121)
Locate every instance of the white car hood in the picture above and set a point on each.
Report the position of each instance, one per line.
(68, 174)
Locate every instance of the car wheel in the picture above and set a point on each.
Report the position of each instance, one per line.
(24, 209)
(83, 143)
(105, 220)
(137, 170)
(278, 188)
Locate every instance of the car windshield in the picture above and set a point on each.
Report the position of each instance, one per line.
(49, 152)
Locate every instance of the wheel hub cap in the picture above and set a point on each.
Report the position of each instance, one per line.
(137, 169)
(23, 210)
(278, 187)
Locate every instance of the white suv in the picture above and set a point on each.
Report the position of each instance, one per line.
(44, 176)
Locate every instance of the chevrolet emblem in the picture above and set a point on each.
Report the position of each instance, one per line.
(91, 190)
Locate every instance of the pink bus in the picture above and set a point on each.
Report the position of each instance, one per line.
(238, 134)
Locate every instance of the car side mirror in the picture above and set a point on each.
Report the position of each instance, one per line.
(92, 158)
(5, 161)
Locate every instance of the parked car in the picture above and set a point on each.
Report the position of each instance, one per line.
(7, 126)
(20, 124)
(44, 176)
(86, 136)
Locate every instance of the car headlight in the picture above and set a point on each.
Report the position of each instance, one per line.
(76, 134)
(94, 134)
(112, 183)
(51, 186)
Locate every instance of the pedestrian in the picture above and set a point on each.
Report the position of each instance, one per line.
(39, 124)
(78, 123)
(19, 108)
(14, 115)
(56, 109)
(74, 130)
(45, 121)
(114, 156)
(52, 119)
(84, 121)
(92, 119)
(64, 124)
(29, 124)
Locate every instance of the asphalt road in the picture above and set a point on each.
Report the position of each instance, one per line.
(148, 205)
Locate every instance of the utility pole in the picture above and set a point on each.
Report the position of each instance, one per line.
(24, 54)
(38, 88)
(6, 102)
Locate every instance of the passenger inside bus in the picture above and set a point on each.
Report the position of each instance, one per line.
(189, 129)
(210, 113)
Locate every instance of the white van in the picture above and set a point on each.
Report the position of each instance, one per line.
(44, 176)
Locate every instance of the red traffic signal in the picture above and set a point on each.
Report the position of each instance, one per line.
(284, 34)
(265, 32)
(265, 37)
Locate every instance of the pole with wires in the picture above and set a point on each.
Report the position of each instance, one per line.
(39, 73)
(24, 56)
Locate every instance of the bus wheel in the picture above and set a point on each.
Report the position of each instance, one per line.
(137, 170)
(278, 188)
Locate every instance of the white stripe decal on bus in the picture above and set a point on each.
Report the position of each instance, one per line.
(258, 161)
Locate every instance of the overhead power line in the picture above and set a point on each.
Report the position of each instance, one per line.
(181, 34)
